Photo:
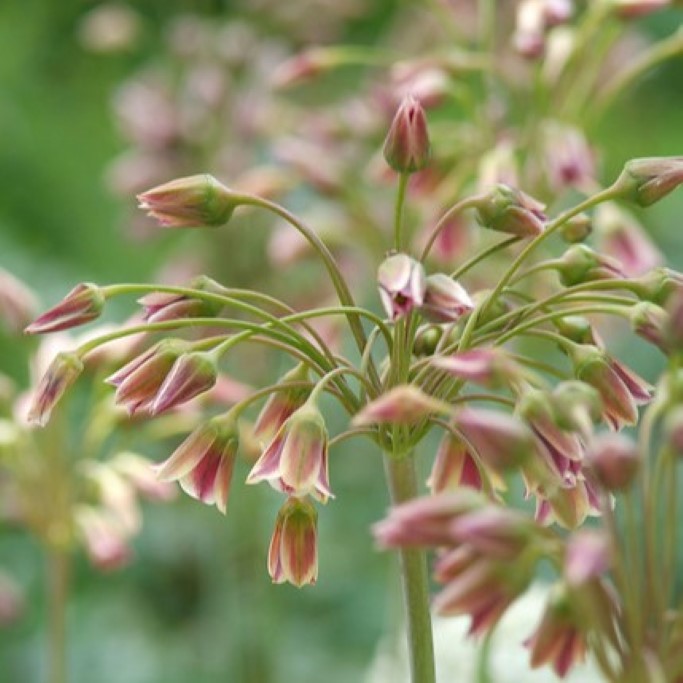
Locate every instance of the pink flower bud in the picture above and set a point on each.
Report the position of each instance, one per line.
(581, 264)
(161, 306)
(404, 404)
(17, 302)
(401, 281)
(646, 181)
(588, 557)
(632, 9)
(406, 148)
(558, 639)
(490, 367)
(295, 461)
(293, 553)
(577, 229)
(62, 373)
(303, 67)
(614, 461)
(568, 158)
(557, 11)
(138, 382)
(508, 210)
(623, 238)
(203, 463)
(577, 406)
(192, 374)
(445, 300)
(106, 541)
(652, 323)
(454, 467)
(190, 202)
(81, 305)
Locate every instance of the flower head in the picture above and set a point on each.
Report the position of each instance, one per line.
(295, 461)
(81, 305)
(203, 463)
(406, 148)
(401, 281)
(62, 373)
(293, 552)
(194, 201)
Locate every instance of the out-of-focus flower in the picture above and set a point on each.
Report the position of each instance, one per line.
(588, 556)
(110, 27)
(293, 552)
(529, 36)
(403, 404)
(295, 461)
(17, 302)
(191, 202)
(81, 305)
(508, 210)
(454, 467)
(646, 181)
(490, 367)
(652, 323)
(568, 158)
(614, 460)
(407, 148)
(631, 9)
(402, 285)
(106, 541)
(203, 463)
(62, 373)
(445, 300)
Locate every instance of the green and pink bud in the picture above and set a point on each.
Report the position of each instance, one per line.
(614, 461)
(296, 460)
(191, 202)
(406, 148)
(163, 306)
(577, 228)
(404, 404)
(588, 557)
(402, 285)
(652, 323)
(81, 305)
(646, 181)
(454, 467)
(581, 264)
(293, 552)
(491, 367)
(203, 463)
(60, 375)
(445, 300)
(506, 209)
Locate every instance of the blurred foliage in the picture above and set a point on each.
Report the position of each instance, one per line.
(197, 603)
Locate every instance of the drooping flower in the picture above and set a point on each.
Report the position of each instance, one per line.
(295, 461)
(404, 404)
(445, 300)
(293, 552)
(81, 305)
(402, 285)
(614, 461)
(454, 467)
(203, 463)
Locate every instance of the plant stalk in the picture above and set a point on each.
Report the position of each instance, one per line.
(57, 588)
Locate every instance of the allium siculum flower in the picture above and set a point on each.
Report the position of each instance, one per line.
(588, 557)
(652, 323)
(511, 211)
(581, 264)
(62, 373)
(568, 158)
(404, 404)
(558, 640)
(293, 552)
(161, 306)
(407, 148)
(105, 539)
(454, 467)
(614, 461)
(402, 285)
(620, 389)
(18, 304)
(295, 461)
(490, 367)
(646, 181)
(203, 463)
(445, 300)
(81, 305)
(191, 202)
(138, 382)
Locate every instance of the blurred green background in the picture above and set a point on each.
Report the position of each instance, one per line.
(197, 604)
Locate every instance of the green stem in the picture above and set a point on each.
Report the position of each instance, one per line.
(402, 481)
(57, 584)
(398, 208)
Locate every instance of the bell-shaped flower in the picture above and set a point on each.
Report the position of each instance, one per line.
(194, 201)
(60, 375)
(295, 461)
(293, 552)
(614, 461)
(81, 305)
(404, 404)
(407, 148)
(491, 367)
(454, 467)
(402, 285)
(203, 463)
(445, 300)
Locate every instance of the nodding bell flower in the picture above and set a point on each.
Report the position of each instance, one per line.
(81, 305)
(620, 389)
(490, 367)
(646, 181)
(203, 463)
(511, 211)
(138, 382)
(295, 461)
(404, 404)
(281, 404)
(445, 300)
(652, 323)
(454, 467)
(191, 202)
(406, 148)
(614, 461)
(558, 640)
(161, 306)
(402, 285)
(293, 552)
(581, 264)
(60, 375)
(588, 556)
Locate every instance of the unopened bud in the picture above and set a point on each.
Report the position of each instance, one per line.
(445, 300)
(577, 329)
(81, 305)
(652, 323)
(191, 202)
(404, 404)
(406, 148)
(646, 181)
(427, 339)
(614, 460)
(581, 264)
(506, 209)
(577, 228)
(658, 285)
